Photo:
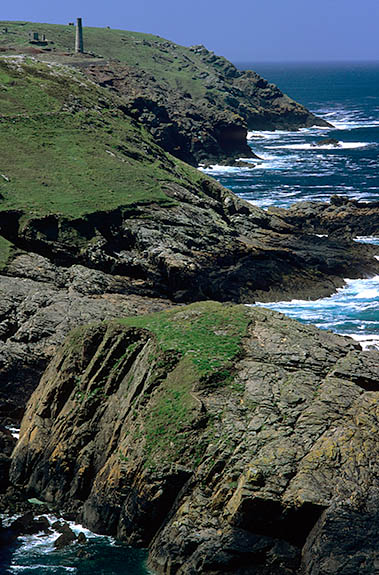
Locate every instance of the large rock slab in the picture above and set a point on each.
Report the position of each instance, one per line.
(250, 462)
(40, 303)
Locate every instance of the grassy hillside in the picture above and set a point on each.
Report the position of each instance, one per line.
(197, 105)
(68, 148)
(203, 332)
(169, 62)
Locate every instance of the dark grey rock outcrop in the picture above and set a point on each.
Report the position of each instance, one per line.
(341, 217)
(279, 457)
(40, 304)
(209, 126)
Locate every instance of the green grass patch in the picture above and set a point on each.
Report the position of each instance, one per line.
(209, 334)
(6, 250)
(67, 148)
(167, 424)
(176, 66)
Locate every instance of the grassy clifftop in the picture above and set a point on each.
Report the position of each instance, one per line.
(197, 105)
(177, 65)
(68, 148)
(125, 431)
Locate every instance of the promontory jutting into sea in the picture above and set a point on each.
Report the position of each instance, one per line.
(189, 311)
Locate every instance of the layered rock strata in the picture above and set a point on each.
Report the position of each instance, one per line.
(255, 461)
(40, 304)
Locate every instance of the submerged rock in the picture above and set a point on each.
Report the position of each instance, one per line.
(327, 142)
(226, 438)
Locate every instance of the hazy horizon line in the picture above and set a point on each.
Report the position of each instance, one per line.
(311, 61)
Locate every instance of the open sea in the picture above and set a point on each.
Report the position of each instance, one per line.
(292, 170)
(347, 95)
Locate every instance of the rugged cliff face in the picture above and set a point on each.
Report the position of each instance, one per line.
(227, 438)
(207, 122)
(144, 215)
(197, 105)
(147, 227)
(40, 303)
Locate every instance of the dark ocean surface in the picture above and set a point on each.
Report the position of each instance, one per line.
(290, 170)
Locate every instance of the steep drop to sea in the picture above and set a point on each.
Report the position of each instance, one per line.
(81, 566)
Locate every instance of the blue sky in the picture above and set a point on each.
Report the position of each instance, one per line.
(243, 30)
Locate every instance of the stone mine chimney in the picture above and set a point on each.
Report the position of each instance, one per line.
(79, 36)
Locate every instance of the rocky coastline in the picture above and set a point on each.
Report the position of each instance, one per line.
(197, 105)
(224, 249)
(155, 406)
(233, 466)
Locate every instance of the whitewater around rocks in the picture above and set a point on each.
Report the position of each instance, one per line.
(292, 167)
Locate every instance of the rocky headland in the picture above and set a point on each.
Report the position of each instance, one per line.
(197, 105)
(227, 439)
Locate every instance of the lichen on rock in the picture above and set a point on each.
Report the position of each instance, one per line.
(224, 437)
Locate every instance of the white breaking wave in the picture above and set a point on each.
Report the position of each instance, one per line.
(217, 169)
(42, 544)
(340, 146)
(353, 125)
(15, 431)
(366, 341)
(367, 240)
(264, 162)
(357, 288)
(343, 119)
(276, 134)
(353, 310)
(267, 135)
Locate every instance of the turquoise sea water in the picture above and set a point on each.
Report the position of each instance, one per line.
(290, 170)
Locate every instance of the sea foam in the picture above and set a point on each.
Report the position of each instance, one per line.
(315, 148)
